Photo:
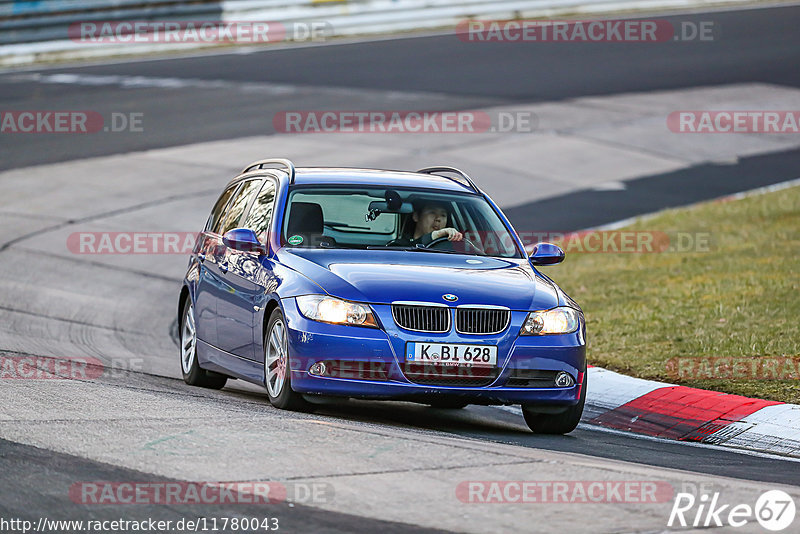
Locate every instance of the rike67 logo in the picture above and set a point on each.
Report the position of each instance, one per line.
(774, 510)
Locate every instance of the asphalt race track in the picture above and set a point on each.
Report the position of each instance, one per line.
(441, 72)
(393, 466)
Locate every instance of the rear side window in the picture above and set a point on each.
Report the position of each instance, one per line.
(216, 212)
(261, 212)
(238, 204)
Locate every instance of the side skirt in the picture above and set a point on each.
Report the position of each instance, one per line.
(214, 359)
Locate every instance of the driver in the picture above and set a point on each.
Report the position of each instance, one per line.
(431, 224)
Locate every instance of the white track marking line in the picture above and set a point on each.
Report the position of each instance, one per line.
(735, 196)
(403, 35)
(594, 428)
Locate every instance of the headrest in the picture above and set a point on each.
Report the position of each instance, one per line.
(305, 219)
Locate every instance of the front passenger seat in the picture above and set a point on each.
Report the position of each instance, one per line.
(306, 220)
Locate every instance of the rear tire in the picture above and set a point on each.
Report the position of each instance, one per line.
(556, 423)
(277, 368)
(193, 374)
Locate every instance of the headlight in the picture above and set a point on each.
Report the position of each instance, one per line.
(556, 321)
(337, 311)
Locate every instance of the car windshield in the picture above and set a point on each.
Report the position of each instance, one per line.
(395, 218)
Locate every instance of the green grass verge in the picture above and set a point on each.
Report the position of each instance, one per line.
(663, 316)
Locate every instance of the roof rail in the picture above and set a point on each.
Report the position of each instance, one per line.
(287, 165)
(453, 170)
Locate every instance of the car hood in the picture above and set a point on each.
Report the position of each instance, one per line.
(382, 277)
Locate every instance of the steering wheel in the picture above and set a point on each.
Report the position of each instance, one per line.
(441, 240)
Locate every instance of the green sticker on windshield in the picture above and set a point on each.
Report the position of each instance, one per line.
(295, 240)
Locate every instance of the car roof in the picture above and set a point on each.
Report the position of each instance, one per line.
(376, 177)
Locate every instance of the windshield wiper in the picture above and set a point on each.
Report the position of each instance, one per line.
(425, 249)
(412, 249)
(345, 225)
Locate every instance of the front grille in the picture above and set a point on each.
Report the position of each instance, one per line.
(482, 320)
(448, 375)
(532, 378)
(421, 318)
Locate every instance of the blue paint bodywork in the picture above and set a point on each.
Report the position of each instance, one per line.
(234, 291)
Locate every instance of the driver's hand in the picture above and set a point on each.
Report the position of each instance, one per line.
(450, 233)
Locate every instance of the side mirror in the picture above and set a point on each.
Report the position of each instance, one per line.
(243, 239)
(546, 254)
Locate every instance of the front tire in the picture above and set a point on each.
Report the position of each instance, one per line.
(193, 374)
(556, 423)
(277, 368)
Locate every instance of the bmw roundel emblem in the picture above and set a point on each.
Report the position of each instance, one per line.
(449, 297)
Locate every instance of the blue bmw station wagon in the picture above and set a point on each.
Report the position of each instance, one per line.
(378, 284)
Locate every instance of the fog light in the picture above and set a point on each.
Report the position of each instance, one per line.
(318, 369)
(564, 380)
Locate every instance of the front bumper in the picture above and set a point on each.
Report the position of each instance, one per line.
(371, 348)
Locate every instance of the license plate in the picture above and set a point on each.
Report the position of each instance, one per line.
(452, 354)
